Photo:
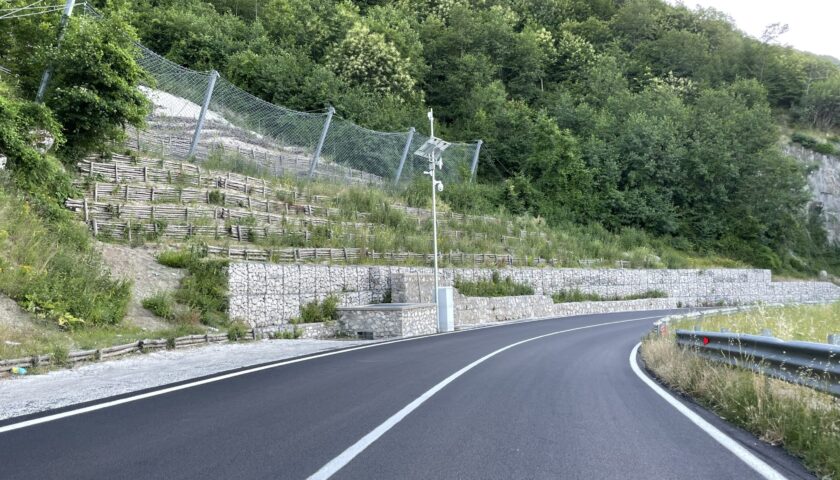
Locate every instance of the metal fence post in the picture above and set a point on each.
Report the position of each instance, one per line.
(474, 165)
(317, 155)
(45, 79)
(404, 155)
(204, 106)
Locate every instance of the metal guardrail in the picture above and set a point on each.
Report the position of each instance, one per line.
(816, 365)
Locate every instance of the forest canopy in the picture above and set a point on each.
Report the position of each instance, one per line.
(628, 113)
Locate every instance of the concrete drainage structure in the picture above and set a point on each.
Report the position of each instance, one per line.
(388, 320)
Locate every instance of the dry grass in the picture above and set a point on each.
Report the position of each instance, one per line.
(804, 421)
(810, 323)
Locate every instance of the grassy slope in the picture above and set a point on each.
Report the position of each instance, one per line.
(397, 231)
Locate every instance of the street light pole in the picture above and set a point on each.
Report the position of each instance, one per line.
(434, 209)
(433, 149)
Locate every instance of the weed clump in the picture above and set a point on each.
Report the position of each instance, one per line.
(495, 287)
(575, 295)
(237, 331)
(203, 289)
(318, 312)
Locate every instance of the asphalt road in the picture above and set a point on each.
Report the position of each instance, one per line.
(564, 406)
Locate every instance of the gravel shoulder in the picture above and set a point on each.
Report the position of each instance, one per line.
(60, 388)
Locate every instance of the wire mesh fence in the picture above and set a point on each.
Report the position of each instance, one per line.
(275, 139)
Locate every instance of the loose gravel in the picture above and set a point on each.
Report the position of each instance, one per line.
(60, 388)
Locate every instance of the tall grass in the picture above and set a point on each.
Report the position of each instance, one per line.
(495, 287)
(231, 162)
(49, 266)
(804, 421)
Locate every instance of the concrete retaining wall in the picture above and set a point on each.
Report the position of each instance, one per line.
(471, 311)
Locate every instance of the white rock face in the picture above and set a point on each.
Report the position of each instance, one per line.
(824, 183)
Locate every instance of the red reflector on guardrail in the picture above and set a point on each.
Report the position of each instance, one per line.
(705, 340)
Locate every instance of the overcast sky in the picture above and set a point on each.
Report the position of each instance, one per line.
(814, 24)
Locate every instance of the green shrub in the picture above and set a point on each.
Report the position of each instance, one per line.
(476, 198)
(495, 287)
(237, 330)
(329, 308)
(292, 334)
(204, 289)
(814, 144)
(316, 312)
(418, 193)
(310, 313)
(161, 304)
(60, 355)
(216, 197)
(575, 295)
(176, 258)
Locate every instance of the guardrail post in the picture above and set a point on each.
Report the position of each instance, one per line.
(404, 155)
(765, 332)
(474, 165)
(208, 94)
(321, 140)
(834, 339)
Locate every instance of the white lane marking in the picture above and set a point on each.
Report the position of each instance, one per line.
(757, 464)
(351, 452)
(163, 391)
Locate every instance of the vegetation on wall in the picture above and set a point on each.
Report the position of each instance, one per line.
(495, 287)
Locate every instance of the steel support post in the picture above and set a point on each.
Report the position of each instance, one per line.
(474, 165)
(317, 156)
(404, 155)
(211, 84)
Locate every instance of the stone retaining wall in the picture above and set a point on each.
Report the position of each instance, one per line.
(318, 330)
(267, 294)
(386, 320)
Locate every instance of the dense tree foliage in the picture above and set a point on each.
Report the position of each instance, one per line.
(93, 90)
(627, 113)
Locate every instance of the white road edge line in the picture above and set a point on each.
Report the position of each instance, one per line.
(757, 464)
(164, 391)
(345, 457)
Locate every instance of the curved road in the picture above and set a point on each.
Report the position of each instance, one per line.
(565, 405)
